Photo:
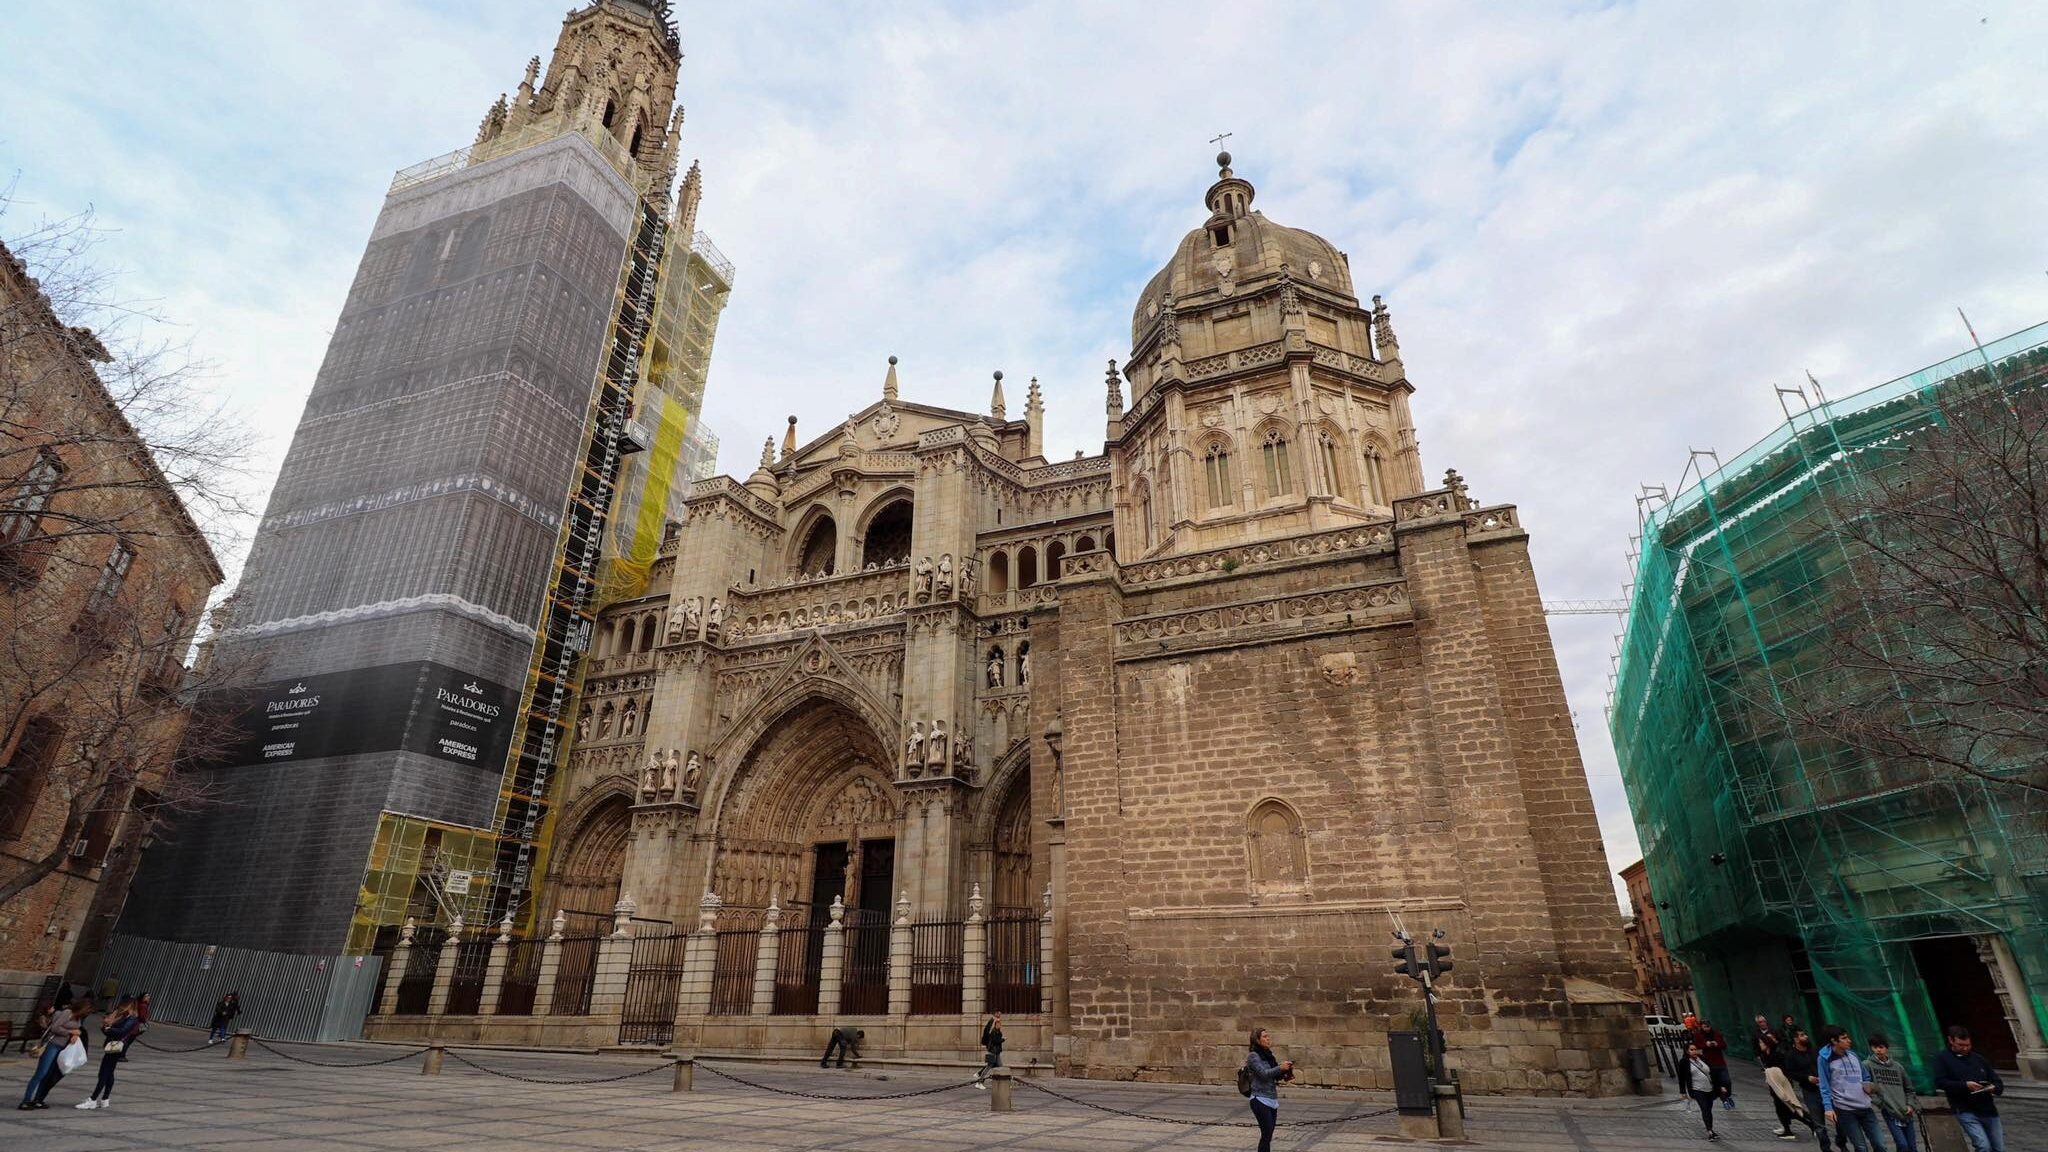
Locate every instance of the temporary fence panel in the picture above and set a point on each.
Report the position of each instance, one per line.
(653, 981)
(865, 989)
(1013, 963)
(466, 988)
(935, 951)
(522, 978)
(799, 958)
(283, 995)
(416, 983)
(575, 974)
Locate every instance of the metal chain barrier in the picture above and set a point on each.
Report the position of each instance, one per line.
(266, 1046)
(202, 1046)
(1199, 1123)
(826, 1096)
(461, 1059)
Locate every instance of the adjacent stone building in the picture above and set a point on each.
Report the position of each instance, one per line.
(103, 574)
(1218, 707)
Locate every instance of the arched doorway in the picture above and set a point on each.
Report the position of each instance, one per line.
(818, 556)
(593, 859)
(887, 540)
(1010, 855)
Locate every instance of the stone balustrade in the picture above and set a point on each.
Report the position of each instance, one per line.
(820, 602)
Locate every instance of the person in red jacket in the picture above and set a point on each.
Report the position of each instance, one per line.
(1714, 1050)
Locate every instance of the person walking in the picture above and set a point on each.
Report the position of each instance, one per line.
(1264, 1073)
(1845, 1095)
(224, 1013)
(1894, 1098)
(1714, 1050)
(844, 1040)
(66, 1024)
(120, 1028)
(1696, 1079)
(1802, 1067)
(1971, 1083)
(1768, 1044)
(991, 1050)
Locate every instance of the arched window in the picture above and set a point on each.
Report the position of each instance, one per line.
(1216, 468)
(611, 110)
(999, 572)
(888, 536)
(1027, 566)
(1375, 476)
(1276, 849)
(1326, 442)
(649, 625)
(626, 635)
(1279, 470)
(1085, 544)
(821, 547)
(1054, 553)
(1109, 542)
(639, 130)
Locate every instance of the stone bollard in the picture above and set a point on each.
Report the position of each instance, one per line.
(1450, 1112)
(431, 1066)
(999, 1086)
(238, 1045)
(686, 1074)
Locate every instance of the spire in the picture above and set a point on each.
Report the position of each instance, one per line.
(995, 400)
(686, 200)
(768, 452)
(1113, 403)
(889, 382)
(1290, 300)
(1034, 414)
(789, 440)
(1383, 340)
(1229, 196)
(494, 120)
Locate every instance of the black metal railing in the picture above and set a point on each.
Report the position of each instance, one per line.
(575, 975)
(416, 983)
(522, 978)
(654, 978)
(466, 986)
(1013, 974)
(936, 947)
(799, 959)
(737, 946)
(865, 989)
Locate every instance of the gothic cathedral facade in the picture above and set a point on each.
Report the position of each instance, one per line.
(1219, 707)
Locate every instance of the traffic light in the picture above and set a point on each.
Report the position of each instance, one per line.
(1439, 960)
(1405, 962)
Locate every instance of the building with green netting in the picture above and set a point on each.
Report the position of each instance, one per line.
(1791, 874)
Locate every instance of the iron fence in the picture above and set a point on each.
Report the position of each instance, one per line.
(865, 989)
(738, 946)
(1013, 963)
(466, 986)
(575, 974)
(935, 950)
(799, 958)
(416, 983)
(522, 978)
(653, 980)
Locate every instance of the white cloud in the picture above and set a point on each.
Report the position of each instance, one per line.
(1604, 230)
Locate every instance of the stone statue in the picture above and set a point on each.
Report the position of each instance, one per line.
(966, 579)
(937, 746)
(923, 579)
(945, 576)
(715, 620)
(995, 669)
(692, 771)
(604, 722)
(913, 748)
(650, 778)
(668, 773)
(583, 723)
(677, 621)
(963, 757)
(1023, 667)
(693, 613)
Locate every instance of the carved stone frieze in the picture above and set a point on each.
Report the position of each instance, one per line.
(1376, 537)
(1385, 602)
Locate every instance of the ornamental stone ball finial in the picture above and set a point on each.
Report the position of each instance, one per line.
(1223, 164)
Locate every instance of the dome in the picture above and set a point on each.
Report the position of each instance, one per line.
(1236, 249)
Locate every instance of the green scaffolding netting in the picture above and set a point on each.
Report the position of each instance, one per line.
(1792, 874)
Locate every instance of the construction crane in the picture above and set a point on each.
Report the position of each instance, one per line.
(1585, 607)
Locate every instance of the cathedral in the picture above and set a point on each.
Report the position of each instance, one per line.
(1174, 735)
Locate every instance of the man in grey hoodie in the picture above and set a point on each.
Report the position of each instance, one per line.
(1894, 1098)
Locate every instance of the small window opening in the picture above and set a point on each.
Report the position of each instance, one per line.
(1221, 235)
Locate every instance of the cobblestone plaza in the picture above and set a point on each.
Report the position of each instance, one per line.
(168, 1099)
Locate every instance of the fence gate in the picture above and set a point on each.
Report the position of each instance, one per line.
(935, 957)
(1013, 963)
(652, 984)
(798, 959)
(865, 990)
(737, 943)
(522, 978)
(466, 987)
(575, 974)
(416, 983)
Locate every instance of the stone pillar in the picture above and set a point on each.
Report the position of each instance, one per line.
(832, 967)
(614, 962)
(1047, 986)
(400, 957)
(2019, 1004)
(999, 1089)
(700, 954)
(899, 958)
(444, 968)
(550, 964)
(1052, 931)
(494, 969)
(765, 957)
(974, 959)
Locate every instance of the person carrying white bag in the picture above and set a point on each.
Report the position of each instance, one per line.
(63, 1051)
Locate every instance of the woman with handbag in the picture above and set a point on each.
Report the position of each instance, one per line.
(120, 1028)
(66, 1026)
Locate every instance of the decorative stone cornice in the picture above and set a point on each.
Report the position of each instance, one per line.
(1375, 537)
(1332, 610)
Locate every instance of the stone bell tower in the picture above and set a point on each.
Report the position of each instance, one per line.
(1265, 399)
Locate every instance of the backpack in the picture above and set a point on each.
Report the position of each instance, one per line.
(1244, 1078)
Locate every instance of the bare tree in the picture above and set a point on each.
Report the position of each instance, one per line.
(119, 471)
(1935, 658)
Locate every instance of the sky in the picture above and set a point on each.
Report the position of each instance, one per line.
(1605, 231)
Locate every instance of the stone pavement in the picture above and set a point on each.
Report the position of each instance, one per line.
(202, 1100)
